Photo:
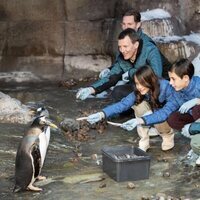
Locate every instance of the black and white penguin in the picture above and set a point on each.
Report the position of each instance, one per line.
(31, 154)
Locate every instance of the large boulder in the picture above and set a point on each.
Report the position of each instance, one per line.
(13, 111)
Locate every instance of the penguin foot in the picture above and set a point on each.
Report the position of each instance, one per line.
(41, 178)
(33, 188)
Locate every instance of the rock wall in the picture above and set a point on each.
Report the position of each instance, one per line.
(41, 38)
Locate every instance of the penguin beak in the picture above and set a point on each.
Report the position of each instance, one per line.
(49, 123)
(53, 125)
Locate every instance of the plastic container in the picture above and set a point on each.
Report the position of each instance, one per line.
(125, 163)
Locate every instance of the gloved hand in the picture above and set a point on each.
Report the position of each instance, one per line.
(130, 124)
(104, 73)
(83, 93)
(188, 105)
(185, 131)
(125, 77)
(95, 117)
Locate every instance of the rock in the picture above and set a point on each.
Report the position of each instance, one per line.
(130, 185)
(166, 174)
(145, 198)
(102, 185)
(161, 196)
(69, 124)
(13, 111)
(94, 156)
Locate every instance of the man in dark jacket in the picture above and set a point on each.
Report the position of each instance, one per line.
(134, 53)
(131, 19)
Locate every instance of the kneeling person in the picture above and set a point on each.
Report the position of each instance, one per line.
(152, 103)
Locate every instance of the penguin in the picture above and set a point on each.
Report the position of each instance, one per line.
(42, 111)
(31, 154)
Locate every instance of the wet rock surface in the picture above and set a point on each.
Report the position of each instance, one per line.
(71, 166)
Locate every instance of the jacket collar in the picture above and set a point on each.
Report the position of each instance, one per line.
(189, 87)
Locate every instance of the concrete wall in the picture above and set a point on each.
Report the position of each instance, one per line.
(42, 36)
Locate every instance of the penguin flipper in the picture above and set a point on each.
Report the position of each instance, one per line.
(35, 152)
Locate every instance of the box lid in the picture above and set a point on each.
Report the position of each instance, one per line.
(123, 153)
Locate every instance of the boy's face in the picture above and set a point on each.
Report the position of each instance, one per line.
(178, 83)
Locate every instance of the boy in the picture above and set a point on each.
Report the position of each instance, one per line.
(187, 94)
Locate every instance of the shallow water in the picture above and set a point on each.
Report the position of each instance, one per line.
(66, 172)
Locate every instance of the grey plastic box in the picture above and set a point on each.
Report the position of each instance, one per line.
(125, 163)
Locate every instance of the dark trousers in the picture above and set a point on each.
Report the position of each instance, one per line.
(121, 91)
(177, 120)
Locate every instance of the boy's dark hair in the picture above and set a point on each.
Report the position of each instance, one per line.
(131, 33)
(183, 67)
(134, 13)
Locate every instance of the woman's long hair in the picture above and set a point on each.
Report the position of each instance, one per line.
(147, 78)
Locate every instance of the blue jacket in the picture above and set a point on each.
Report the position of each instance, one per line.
(148, 53)
(177, 99)
(144, 36)
(190, 92)
(158, 116)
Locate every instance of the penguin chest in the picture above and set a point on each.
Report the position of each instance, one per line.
(44, 138)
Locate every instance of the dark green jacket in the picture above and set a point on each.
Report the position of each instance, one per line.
(148, 53)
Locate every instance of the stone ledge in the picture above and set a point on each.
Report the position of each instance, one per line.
(32, 68)
(85, 65)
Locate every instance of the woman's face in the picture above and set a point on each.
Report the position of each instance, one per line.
(142, 89)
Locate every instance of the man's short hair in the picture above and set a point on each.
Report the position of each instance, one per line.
(134, 13)
(183, 67)
(131, 33)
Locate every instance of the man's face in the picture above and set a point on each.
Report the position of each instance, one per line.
(129, 22)
(127, 48)
(178, 83)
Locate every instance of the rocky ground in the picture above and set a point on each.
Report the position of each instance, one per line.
(73, 164)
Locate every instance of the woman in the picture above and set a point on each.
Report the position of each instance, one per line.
(152, 104)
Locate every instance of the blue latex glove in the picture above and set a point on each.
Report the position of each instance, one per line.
(84, 93)
(104, 73)
(188, 105)
(95, 117)
(185, 131)
(130, 124)
(125, 77)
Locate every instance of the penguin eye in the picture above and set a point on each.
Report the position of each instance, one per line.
(42, 120)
